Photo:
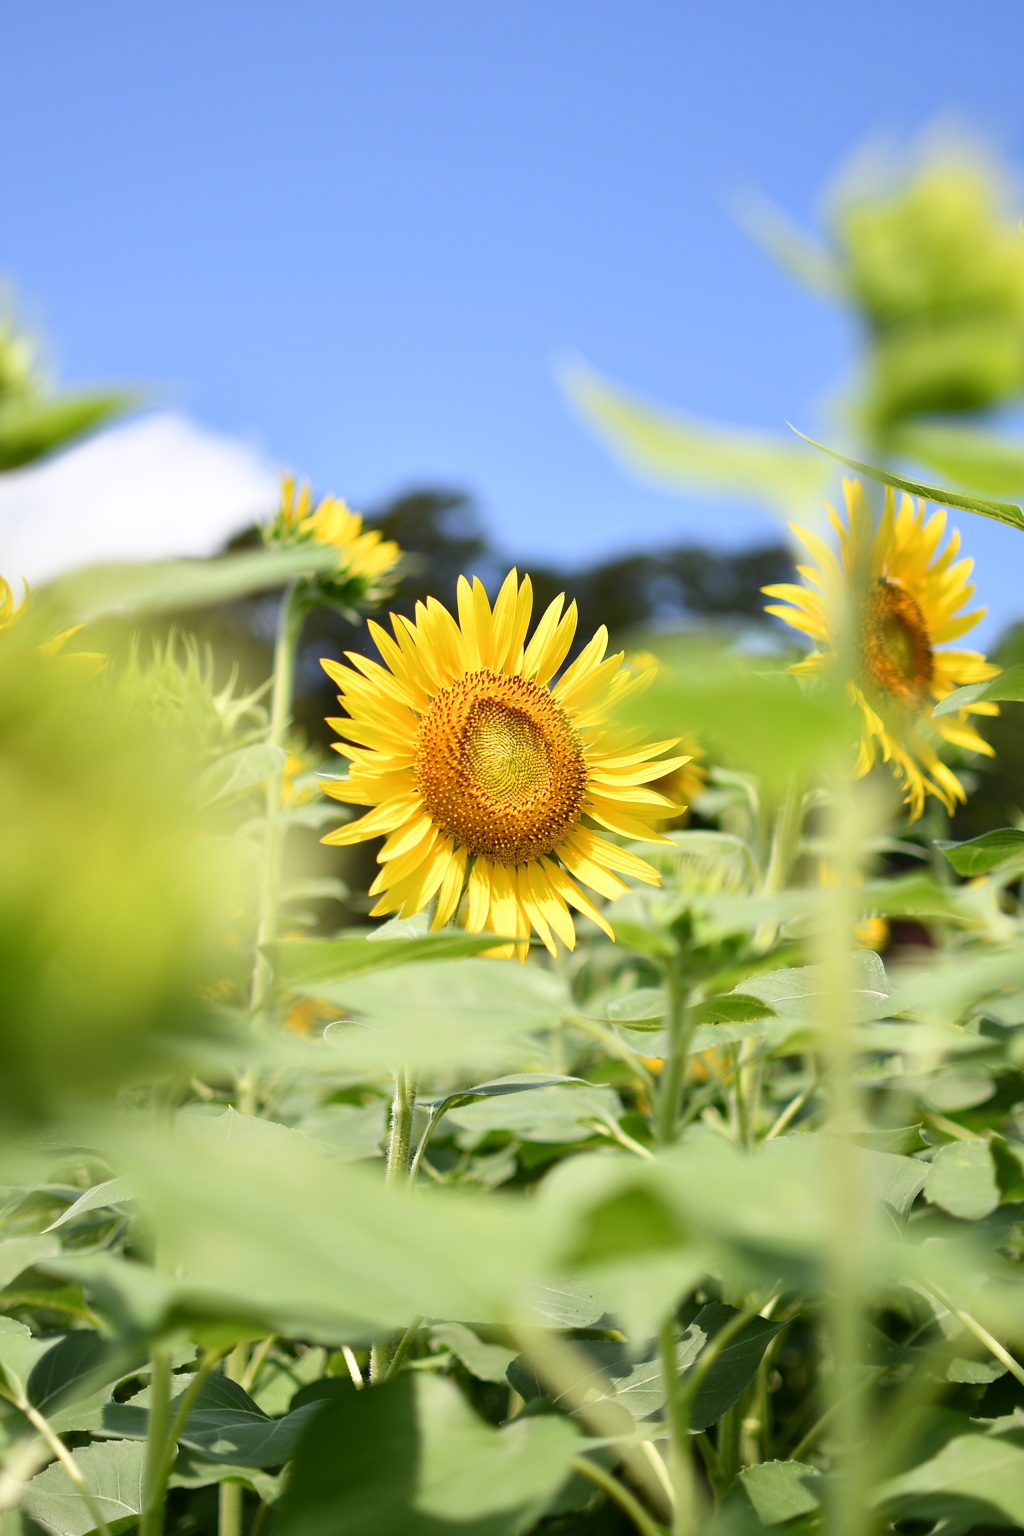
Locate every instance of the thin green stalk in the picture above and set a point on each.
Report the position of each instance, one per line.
(56, 1445)
(827, 1417)
(670, 1084)
(153, 1489)
(158, 1495)
(677, 1414)
(846, 1200)
(288, 630)
(403, 1108)
(402, 1348)
(231, 1496)
(981, 1333)
(620, 1493)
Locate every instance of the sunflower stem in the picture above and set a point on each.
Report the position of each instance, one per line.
(403, 1108)
(680, 1028)
(289, 628)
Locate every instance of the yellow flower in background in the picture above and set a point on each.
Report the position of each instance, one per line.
(905, 596)
(362, 553)
(10, 611)
(476, 763)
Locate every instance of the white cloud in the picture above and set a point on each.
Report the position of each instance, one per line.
(155, 487)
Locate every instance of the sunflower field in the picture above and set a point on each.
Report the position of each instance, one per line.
(643, 1150)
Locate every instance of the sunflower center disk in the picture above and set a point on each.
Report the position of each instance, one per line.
(896, 651)
(500, 768)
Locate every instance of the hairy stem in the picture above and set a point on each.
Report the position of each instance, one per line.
(288, 630)
(617, 1491)
(403, 1108)
(70, 1465)
(231, 1495)
(670, 1085)
(677, 1415)
(153, 1487)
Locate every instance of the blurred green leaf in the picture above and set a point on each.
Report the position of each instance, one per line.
(110, 1192)
(781, 1490)
(797, 991)
(999, 511)
(979, 459)
(1008, 687)
(30, 428)
(425, 1015)
(980, 854)
(236, 773)
(747, 716)
(18, 1253)
(692, 453)
(267, 1226)
(962, 1180)
(164, 586)
(487, 1362)
(306, 965)
(113, 1473)
(986, 1471)
(411, 1456)
(550, 1114)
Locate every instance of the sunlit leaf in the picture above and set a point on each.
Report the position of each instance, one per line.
(162, 586)
(781, 1490)
(999, 511)
(961, 1178)
(694, 454)
(986, 852)
(1008, 687)
(305, 965)
(981, 459)
(113, 1473)
(34, 427)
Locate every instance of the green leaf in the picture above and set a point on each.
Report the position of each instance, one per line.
(428, 1016)
(549, 1114)
(348, 1131)
(738, 1007)
(781, 1490)
(19, 1353)
(749, 717)
(985, 1473)
(236, 773)
(110, 1192)
(989, 851)
(269, 1228)
(692, 453)
(113, 1475)
(20, 1253)
(163, 586)
(962, 1180)
(306, 965)
(643, 1010)
(734, 1368)
(1007, 688)
(31, 428)
(225, 1425)
(981, 459)
(1000, 511)
(75, 1367)
(797, 991)
(411, 1456)
(487, 1362)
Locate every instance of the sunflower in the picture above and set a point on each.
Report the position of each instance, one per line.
(10, 611)
(367, 562)
(905, 597)
(486, 777)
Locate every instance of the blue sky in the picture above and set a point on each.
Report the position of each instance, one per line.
(359, 235)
